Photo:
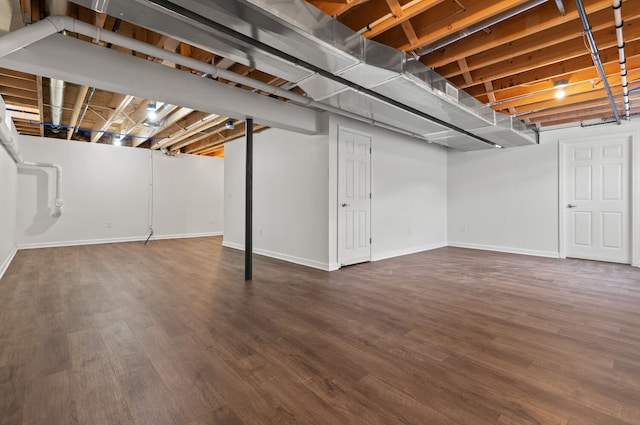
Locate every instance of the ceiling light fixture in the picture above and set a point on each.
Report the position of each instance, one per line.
(229, 125)
(559, 86)
(117, 139)
(151, 111)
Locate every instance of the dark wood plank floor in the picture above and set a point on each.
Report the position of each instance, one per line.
(171, 334)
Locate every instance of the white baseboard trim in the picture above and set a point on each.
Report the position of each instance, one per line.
(233, 245)
(190, 235)
(7, 261)
(279, 256)
(509, 250)
(407, 251)
(112, 240)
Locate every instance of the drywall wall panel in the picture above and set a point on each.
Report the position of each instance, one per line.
(290, 175)
(505, 200)
(8, 205)
(188, 195)
(409, 192)
(106, 193)
(409, 195)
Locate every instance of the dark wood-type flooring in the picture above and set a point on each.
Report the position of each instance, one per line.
(171, 334)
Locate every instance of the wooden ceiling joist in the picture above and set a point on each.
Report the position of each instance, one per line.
(602, 102)
(337, 8)
(122, 102)
(77, 109)
(474, 14)
(582, 88)
(210, 120)
(588, 119)
(39, 97)
(16, 93)
(218, 128)
(589, 74)
(550, 66)
(547, 53)
(218, 138)
(18, 83)
(399, 15)
(4, 72)
(519, 27)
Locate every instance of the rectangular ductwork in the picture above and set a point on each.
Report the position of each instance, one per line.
(335, 66)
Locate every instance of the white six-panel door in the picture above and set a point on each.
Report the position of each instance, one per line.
(597, 200)
(354, 197)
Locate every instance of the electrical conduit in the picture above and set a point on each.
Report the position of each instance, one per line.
(617, 12)
(596, 58)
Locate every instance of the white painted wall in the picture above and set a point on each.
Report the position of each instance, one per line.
(507, 200)
(290, 175)
(8, 201)
(188, 195)
(295, 195)
(409, 192)
(106, 194)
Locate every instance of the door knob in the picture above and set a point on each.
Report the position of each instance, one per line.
(571, 206)
(344, 204)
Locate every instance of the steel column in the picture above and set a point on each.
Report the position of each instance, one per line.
(248, 208)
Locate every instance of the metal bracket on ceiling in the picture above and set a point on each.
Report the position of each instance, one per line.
(100, 5)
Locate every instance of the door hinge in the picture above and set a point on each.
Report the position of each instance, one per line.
(369, 240)
(369, 150)
(369, 195)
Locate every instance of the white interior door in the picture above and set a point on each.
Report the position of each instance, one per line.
(597, 200)
(354, 198)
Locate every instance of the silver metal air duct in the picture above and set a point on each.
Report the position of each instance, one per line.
(293, 40)
(57, 97)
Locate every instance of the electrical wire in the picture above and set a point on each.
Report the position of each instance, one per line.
(133, 136)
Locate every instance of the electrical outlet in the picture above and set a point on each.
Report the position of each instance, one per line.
(463, 228)
(109, 225)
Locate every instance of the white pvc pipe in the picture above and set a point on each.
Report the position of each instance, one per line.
(9, 143)
(8, 137)
(24, 36)
(57, 207)
(617, 13)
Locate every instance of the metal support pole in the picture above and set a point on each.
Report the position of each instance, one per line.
(248, 212)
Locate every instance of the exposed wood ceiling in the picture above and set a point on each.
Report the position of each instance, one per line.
(511, 65)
